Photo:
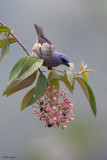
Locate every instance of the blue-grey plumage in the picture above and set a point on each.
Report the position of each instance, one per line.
(46, 50)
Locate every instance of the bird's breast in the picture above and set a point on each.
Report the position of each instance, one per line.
(36, 49)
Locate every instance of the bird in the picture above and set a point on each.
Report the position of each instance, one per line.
(46, 51)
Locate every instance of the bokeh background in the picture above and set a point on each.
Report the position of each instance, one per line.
(77, 28)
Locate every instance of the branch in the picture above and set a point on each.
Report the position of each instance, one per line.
(17, 40)
(83, 71)
(58, 70)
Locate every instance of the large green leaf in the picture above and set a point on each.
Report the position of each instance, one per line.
(40, 88)
(17, 68)
(30, 66)
(17, 85)
(35, 93)
(10, 41)
(5, 51)
(25, 67)
(53, 82)
(23, 74)
(4, 29)
(89, 94)
(27, 98)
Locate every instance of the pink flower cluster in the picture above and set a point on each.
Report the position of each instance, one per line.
(54, 108)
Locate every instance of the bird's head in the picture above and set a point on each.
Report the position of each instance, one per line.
(60, 58)
(64, 60)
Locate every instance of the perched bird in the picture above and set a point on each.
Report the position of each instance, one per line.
(46, 50)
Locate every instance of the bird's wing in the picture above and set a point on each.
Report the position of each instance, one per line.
(39, 29)
(47, 49)
(41, 38)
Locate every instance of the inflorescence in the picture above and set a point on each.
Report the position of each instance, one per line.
(54, 108)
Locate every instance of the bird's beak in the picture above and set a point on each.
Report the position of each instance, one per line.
(68, 64)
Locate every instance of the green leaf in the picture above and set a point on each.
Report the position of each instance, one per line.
(23, 74)
(5, 51)
(40, 88)
(1, 35)
(25, 67)
(90, 70)
(17, 68)
(70, 79)
(35, 93)
(30, 66)
(85, 76)
(70, 87)
(17, 85)
(4, 29)
(71, 66)
(83, 66)
(12, 31)
(69, 75)
(89, 93)
(27, 98)
(53, 82)
(10, 41)
(59, 77)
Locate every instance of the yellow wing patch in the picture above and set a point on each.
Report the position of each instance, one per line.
(40, 45)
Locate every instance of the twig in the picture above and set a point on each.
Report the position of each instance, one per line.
(17, 40)
(58, 70)
(83, 71)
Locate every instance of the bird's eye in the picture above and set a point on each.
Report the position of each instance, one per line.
(64, 60)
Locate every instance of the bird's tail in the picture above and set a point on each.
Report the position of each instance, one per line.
(39, 30)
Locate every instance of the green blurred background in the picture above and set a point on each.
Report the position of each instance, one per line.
(77, 28)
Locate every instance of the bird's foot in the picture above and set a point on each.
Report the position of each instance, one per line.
(50, 68)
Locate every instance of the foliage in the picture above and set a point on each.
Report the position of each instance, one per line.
(24, 73)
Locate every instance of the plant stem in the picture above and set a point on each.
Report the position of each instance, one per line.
(58, 70)
(83, 71)
(17, 40)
